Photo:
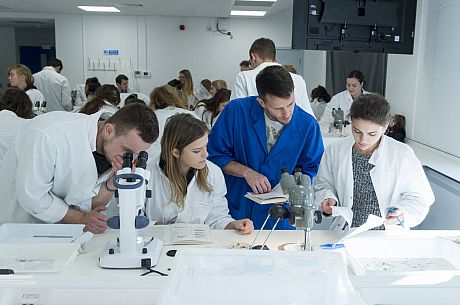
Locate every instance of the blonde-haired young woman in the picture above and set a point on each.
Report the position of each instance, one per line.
(186, 187)
(186, 86)
(20, 76)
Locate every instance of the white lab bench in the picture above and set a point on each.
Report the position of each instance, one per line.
(84, 282)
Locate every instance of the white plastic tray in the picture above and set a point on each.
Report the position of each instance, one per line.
(224, 276)
(33, 257)
(40, 233)
(402, 256)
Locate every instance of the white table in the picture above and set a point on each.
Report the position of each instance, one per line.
(84, 282)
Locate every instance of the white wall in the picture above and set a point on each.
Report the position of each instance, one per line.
(423, 87)
(314, 69)
(7, 54)
(155, 44)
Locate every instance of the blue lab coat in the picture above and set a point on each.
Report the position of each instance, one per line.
(239, 135)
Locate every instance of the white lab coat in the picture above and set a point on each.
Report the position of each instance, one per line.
(163, 115)
(140, 96)
(245, 85)
(81, 98)
(342, 100)
(200, 206)
(35, 96)
(51, 168)
(205, 115)
(55, 88)
(10, 124)
(318, 108)
(398, 178)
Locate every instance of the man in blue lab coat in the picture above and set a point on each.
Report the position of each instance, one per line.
(257, 136)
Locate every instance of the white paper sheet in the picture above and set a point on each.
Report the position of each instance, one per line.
(345, 212)
(372, 222)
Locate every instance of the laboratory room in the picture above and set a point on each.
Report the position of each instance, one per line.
(229, 152)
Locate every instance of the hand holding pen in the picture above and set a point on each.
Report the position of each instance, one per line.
(395, 217)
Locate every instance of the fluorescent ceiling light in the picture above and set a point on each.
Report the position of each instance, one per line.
(108, 9)
(262, 0)
(248, 13)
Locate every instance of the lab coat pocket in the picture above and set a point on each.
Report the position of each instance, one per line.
(200, 211)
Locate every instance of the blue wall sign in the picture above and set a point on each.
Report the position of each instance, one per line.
(110, 52)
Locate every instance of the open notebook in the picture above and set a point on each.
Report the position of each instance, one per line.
(275, 196)
(181, 234)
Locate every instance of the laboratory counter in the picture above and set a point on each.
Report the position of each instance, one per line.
(84, 282)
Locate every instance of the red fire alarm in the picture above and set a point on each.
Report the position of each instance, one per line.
(182, 27)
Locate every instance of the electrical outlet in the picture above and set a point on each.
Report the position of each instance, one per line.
(146, 73)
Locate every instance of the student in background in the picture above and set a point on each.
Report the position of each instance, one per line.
(204, 91)
(290, 68)
(319, 99)
(397, 129)
(54, 86)
(371, 173)
(85, 92)
(20, 76)
(122, 83)
(218, 84)
(186, 86)
(245, 65)
(164, 101)
(263, 54)
(106, 99)
(209, 110)
(15, 109)
(343, 100)
(188, 188)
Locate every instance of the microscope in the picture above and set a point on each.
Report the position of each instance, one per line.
(39, 108)
(130, 250)
(301, 212)
(339, 119)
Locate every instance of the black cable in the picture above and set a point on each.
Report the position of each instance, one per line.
(219, 30)
(150, 270)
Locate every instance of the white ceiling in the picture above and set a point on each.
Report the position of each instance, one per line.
(182, 8)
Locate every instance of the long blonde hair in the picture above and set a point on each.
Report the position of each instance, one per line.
(188, 86)
(181, 130)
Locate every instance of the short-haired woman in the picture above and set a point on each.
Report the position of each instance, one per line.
(372, 173)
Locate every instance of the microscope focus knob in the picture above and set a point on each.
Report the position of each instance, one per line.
(318, 217)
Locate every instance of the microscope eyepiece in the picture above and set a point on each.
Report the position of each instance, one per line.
(142, 160)
(127, 159)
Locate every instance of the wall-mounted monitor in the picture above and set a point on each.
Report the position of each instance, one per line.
(378, 26)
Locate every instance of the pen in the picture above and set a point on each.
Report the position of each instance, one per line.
(391, 210)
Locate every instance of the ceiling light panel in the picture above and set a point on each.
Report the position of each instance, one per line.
(248, 13)
(100, 9)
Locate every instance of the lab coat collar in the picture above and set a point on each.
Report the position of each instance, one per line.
(93, 128)
(264, 65)
(49, 68)
(378, 152)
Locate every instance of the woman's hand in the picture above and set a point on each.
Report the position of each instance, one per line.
(243, 226)
(327, 204)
